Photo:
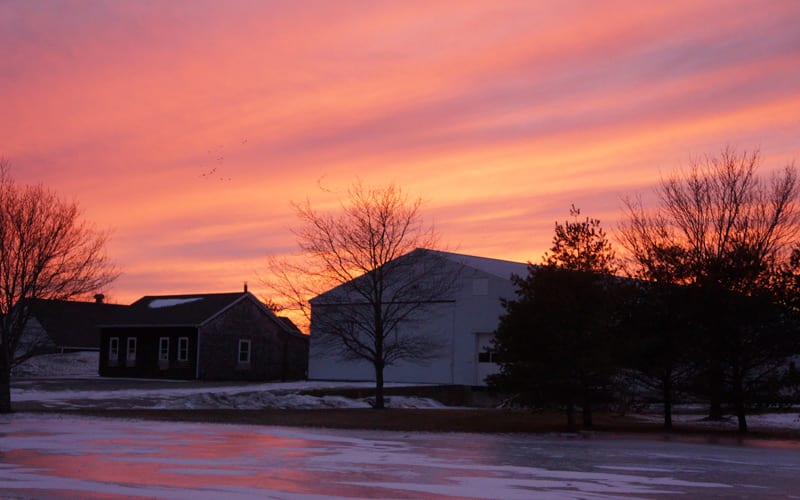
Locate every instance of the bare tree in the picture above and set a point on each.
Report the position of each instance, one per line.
(47, 252)
(717, 223)
(723, 229)
(370, 278)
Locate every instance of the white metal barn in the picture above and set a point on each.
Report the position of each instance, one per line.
(462, 325)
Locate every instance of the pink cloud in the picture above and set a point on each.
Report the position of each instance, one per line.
(190, 130)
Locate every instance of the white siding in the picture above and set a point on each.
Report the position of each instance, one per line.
(476, 310)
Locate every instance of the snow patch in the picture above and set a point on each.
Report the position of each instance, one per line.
(69, 365)
(175, 394)
(159, 303)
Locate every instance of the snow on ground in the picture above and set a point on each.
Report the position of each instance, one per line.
(74, 364)
(789, 419)
(179, 394)
(238, 395)
(45, 457)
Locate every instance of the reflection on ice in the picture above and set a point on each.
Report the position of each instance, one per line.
(97, 458)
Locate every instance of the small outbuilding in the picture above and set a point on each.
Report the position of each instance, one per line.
(217, 336)
(65, 325)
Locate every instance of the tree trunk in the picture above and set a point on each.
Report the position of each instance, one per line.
(5, 383)
(571, 427)
(742, 419)
(741, 414)
(587, 414)
(715, 393)
(379, 403)
(587, 404)
(667, 395)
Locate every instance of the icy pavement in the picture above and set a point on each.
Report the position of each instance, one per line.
(68, 457)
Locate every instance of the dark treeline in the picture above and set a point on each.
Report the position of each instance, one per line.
(707, 311)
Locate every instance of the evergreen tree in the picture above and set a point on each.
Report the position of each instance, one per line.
(553, 339)
(661, 323)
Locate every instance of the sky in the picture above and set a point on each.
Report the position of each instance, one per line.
(189, 128)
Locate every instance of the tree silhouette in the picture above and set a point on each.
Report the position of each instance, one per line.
(369, 283)
(554, 339)
(722, 229)
(46, 252)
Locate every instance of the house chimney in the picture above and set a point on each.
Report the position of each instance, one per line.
(245, 287)
(99, 298)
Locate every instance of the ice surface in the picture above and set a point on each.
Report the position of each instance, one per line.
(68, 457)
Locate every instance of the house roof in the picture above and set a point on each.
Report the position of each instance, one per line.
(187, 310)
(289, 325)
(176, 310)
(74, 324)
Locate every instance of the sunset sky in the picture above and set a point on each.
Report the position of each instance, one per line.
(188, 127)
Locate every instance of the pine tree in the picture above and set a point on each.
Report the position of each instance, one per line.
(554, 339)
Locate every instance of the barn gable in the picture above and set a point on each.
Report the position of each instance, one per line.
(463, 324)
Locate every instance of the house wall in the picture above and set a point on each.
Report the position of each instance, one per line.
(273, 355)
(463, 327)
(34, 338)
(147, 364)
(296, 358)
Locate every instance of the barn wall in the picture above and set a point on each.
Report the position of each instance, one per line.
(462, 327)
(437, 322)
(477, 317)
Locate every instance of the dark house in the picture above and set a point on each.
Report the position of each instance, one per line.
(66, 326)
(221, 336)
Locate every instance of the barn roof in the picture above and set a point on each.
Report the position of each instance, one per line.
(72, 324)
(496, 267)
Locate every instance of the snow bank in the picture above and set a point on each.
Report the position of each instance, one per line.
(74, 364)
(179, 394)
(764, 421)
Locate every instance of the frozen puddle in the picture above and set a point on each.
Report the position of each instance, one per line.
(52, 457)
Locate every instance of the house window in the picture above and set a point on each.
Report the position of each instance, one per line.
(244, 351)
(183, 349)
(489, 356)
(163, 349)
(131, 353)
(113, 351)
